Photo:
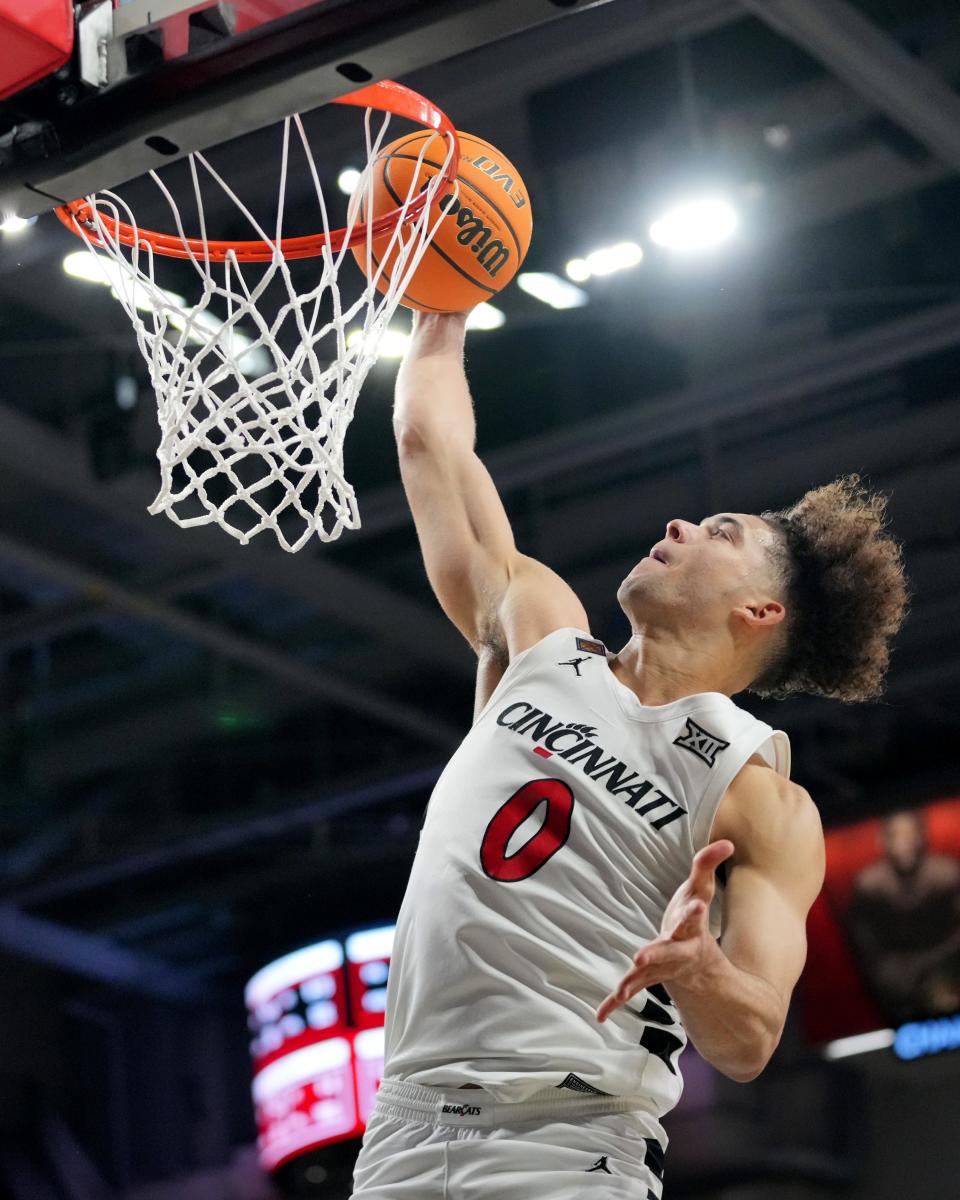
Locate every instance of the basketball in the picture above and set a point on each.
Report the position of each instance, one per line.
(484, 233)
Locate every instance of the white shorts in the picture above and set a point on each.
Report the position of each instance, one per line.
(427, 1143)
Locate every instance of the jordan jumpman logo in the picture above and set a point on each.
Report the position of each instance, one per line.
(599, 1165)
(575, 663)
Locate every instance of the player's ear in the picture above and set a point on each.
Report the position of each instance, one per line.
(761, 613)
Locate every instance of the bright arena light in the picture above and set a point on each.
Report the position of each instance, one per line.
(696, 225)
(861, 1043)
(393, 343)
(348, 179)
(84, 264)
(485, 316)
(15, 224)
(605, 261)
(620, 257)
(551, 289)
(94, 268)
(252, 360)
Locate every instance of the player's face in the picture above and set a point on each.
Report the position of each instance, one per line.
(702, 571)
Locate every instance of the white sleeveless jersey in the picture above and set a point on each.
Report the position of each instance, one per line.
(552, 843)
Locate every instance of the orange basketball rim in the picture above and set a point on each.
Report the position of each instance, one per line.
(386, 96)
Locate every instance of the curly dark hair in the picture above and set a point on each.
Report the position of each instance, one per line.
(844, 590)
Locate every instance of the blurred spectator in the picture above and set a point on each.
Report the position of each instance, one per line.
(904, 921)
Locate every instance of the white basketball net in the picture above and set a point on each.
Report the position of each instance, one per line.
(251, 433)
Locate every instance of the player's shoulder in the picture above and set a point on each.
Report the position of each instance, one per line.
(761, 805)
(757, 780)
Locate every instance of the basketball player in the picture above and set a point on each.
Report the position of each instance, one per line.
(606, 819)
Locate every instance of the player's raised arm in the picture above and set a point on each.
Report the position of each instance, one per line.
(491, 592)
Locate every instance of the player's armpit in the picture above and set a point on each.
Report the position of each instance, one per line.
(535, 602)
(493, 594)
(773, 877)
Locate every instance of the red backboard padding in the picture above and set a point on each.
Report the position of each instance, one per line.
(37, 39)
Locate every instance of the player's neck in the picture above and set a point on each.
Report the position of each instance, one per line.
(660, 667)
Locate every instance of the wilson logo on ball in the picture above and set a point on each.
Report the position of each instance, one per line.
(490, 251)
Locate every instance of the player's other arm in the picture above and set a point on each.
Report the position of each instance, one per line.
(733, 995)
(492, 593)
(736, 1013)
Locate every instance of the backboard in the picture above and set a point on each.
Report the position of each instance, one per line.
(148, 81)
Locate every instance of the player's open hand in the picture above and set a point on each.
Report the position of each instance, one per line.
(684, 948)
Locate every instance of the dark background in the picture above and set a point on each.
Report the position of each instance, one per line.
(180, 802)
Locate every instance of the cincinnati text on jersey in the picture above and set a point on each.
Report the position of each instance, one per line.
(567, 742)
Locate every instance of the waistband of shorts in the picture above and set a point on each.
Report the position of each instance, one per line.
(450, 1106)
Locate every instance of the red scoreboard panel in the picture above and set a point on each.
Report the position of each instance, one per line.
(368, 964)
(317, 1021)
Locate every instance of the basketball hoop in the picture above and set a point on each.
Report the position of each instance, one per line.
(254, 402)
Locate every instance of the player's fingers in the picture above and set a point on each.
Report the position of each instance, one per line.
(631, 983)
(690, 921)
(712, 855)
(651, 952)
(651, 965)
(705, 862)
(624, 992)
(652, 968)
(609, 1005)
(662, 958)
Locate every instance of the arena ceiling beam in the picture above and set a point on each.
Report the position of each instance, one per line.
(744, 390)
(96, 958)
(870, 174)
(28, 447)
(139, 734)
(142, 734)
(820, 108)
(861, 54)
(47, 622)
(541, 57)
(302, 813)
(50, 836)
(425, 727)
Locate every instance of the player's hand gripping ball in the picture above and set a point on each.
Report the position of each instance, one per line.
(684, 949)
(484, 233)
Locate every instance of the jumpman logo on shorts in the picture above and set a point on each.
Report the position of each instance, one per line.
(575, 663)
(599, 1165)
